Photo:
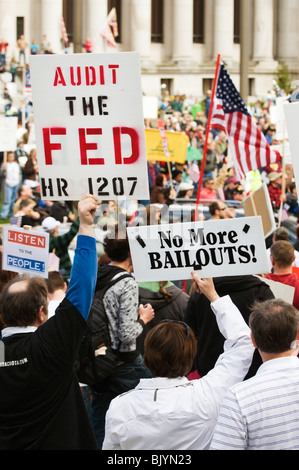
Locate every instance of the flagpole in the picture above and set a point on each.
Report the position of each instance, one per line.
(165, 147)
(203, 161)
(207, 136)
(283, 186)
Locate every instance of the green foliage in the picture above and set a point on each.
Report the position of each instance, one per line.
(284, 78)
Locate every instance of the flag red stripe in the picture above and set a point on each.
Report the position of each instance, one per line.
(247, 141)
(258, 145)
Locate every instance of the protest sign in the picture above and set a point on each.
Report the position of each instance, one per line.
(25, 251)
(259, 203)
(291, 112)
(150, 107)
(280, 290)
(177, 146)
(89, 126)
(278, 119)
(212, 248)
(8, 133)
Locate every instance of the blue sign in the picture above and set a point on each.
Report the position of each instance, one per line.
(26, 264)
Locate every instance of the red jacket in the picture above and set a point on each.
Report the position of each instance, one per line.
(289, 279)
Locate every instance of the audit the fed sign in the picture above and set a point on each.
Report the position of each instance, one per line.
(25, 251)
(212, 248)
(89, 126)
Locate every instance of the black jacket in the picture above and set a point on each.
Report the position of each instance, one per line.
(174, 309)
(41, 405)
(243, 290)
(105, 275)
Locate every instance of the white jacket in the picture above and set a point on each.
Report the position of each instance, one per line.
(177, 414)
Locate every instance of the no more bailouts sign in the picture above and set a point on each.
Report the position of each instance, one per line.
(212, 248)
(89, 125)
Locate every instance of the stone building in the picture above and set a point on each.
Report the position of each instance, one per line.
(178, 40)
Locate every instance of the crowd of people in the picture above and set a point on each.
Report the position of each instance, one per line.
(188, 115)
(190, 363)
(150, 400)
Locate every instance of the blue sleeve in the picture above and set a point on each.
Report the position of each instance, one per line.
(84, 275)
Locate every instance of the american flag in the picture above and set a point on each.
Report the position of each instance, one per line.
(249, 147)
(107, 33)
(63, 31)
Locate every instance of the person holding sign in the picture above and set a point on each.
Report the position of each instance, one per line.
(41, 404)
(168, 411)
(244, 291)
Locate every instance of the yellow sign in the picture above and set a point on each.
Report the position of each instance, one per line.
(177, 146)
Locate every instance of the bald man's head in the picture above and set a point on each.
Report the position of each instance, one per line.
(21, 300)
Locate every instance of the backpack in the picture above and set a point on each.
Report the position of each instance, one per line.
(96, 359)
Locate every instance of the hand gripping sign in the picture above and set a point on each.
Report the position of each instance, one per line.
(89, 126)
(213, 248)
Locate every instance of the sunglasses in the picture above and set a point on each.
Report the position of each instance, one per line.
(181, 323)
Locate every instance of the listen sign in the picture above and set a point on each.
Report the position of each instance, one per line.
(25, 251)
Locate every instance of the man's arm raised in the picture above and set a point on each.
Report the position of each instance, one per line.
(84, 271)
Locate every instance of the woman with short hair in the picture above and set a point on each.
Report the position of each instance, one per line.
(167, 411)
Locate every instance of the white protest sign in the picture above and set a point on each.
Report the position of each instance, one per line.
(25, 251)
(281, 130)
(8, 133)
(150, 107)
(213, 248)
(291, 112)
(284, 149)
(89, 125)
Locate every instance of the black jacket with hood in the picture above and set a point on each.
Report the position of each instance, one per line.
(243, 290)
(170, 305)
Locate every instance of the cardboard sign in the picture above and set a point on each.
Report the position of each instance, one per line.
(25, 251)
(89, 126)
(291, 112)
(259, 203)
(8, 133)
(177, 146)
(213, 248)
(280, 290)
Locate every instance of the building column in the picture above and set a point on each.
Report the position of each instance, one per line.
(224, 29)
(288, 32)
(51, 13)
(141, 30)
(182, 27)
(8, 16)
(263, 33)
(96, 14)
